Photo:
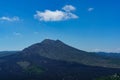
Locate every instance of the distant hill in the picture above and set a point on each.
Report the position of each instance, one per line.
(54, 60)
(7, 53)
(111, 55)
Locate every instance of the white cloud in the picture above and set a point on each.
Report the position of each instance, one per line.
(57, 15)
(69, 8)
(10, 19)
(90, 9)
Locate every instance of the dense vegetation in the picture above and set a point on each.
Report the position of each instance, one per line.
(34, 69)
(113, 77)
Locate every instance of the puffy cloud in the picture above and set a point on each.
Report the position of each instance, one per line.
(57, 15)
(10, 19)
(69, 8)
(90, 9)
(49, 15)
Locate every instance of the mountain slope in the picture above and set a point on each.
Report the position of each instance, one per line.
(55, 49)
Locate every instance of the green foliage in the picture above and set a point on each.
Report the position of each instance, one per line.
(113, 77)
(34, 69)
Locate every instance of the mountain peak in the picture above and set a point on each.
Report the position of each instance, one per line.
(49, 41)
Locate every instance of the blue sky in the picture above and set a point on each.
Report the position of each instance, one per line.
(91, 25)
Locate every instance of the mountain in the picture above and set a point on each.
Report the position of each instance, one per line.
(54, 60)
(55, 49)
